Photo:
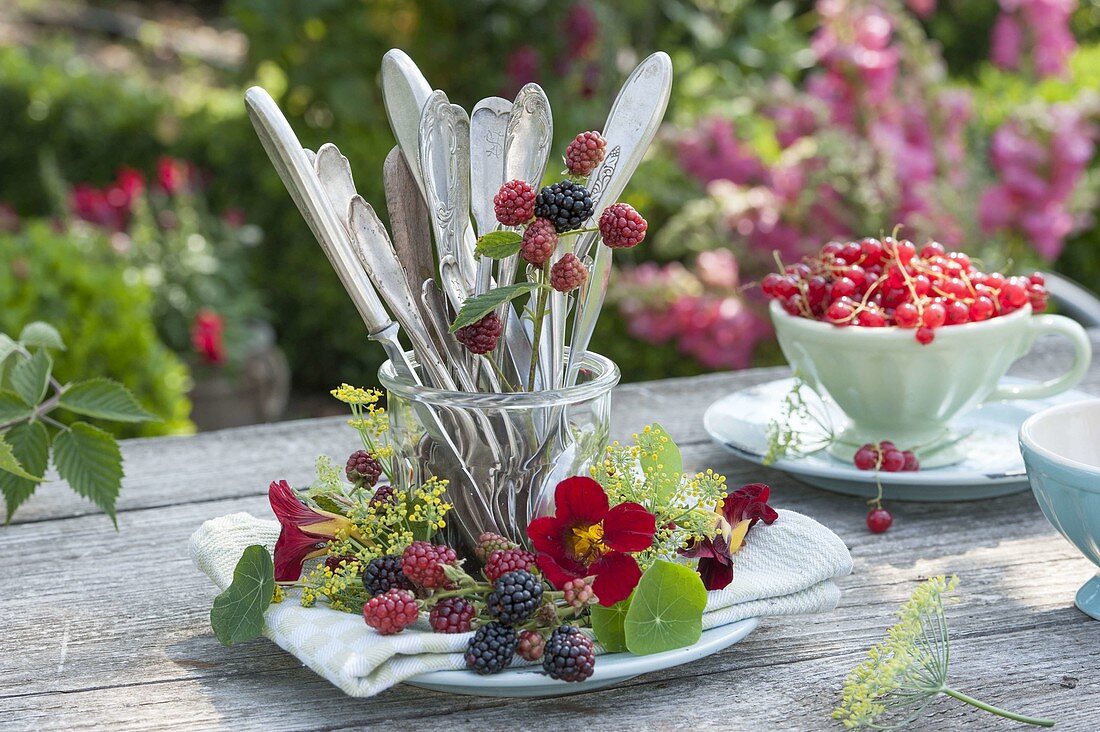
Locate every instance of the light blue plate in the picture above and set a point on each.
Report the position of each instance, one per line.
(992, 467)
(611, 669)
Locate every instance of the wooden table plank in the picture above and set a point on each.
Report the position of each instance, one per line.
(110, 630)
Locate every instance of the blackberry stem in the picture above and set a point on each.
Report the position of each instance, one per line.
(540, 314)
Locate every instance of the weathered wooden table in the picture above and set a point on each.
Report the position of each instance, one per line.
(110, 630)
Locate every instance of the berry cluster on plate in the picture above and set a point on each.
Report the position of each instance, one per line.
(877, 283)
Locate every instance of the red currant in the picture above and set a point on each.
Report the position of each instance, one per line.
(866, 457)
(981, 308)
(911, 462)
(879, 520)
(957, 312)
(932, 249)
(934, 315)
(906, 315)
(840, 312)
(925, 336)
(892, 461)
(842, 287)
(872, 251)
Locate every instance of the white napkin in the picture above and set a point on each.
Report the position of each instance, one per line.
(784, 569)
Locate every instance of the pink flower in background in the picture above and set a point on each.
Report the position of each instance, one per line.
(9, 219)
(581, 30)
(701, 311)
(712, 152)
(922, 8)
(173, 175)
(1040, 27)
(1038, 168)
(521, 66)
(206, 337)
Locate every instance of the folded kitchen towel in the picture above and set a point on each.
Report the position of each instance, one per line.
(787, 568)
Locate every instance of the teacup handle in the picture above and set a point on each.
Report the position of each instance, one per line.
(1082, 356)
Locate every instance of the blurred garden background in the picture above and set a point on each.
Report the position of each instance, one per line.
(140, 215)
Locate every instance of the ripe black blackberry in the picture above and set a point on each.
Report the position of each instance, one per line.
(384, 574)
(569, 655)
(515, 596)
(567, 204)
(491, 649)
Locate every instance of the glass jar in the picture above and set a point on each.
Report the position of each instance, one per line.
(502, 453)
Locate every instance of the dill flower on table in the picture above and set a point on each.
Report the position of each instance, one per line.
(907, 671)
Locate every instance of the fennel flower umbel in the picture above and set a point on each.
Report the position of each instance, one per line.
(907, 670)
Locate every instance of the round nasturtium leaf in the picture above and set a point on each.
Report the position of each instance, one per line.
(608, 624)
(666, 610)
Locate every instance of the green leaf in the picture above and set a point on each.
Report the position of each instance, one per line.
(105, 399)
(607, 623)
(89, 459)
(666, 611)
(31, 376)
(9, 463)
(7, 348)
(41, 335)
(498, 244)
(30, 443)
(476, 308)
(660, 458)
(12, 407)
(238, 613)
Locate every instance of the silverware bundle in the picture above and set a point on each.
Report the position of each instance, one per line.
(446, 168)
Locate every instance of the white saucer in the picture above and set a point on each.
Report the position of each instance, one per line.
(611, 669)
(992, 467)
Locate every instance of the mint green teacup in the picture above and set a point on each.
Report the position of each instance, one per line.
(892, 388)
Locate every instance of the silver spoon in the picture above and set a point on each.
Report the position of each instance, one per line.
(488, 128)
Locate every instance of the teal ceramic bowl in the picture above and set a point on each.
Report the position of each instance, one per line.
(1061, 448)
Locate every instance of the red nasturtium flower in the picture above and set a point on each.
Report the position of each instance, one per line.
(586, 537)
(305, 531)
(738, 511)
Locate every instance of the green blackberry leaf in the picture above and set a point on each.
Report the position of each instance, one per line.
(476, 308)
(30, 445)
(41, 335)
(31, 376)
(104, 399)
(498, 244)
(238, 613)
(89, 459)
(608, 625)
(9, 463)
(666, 609)
(12, 407)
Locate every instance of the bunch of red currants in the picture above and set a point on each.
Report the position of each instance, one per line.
(876, 283)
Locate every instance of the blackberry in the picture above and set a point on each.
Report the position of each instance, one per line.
(363, 468)
(503, 561)
(391, 612)
(515, 597)
(383, 494)
(384, 574)
(489, 542)
(482, 336)
(568, 273)
(569, 655)
(622, 227)
(514, 203)
(584, 153)
(452, 615)
(539, 241)
(422, 562)
(531, 645)
(491, 649)
(567, 204)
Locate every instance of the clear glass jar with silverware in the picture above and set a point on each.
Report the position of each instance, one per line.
(499, 393)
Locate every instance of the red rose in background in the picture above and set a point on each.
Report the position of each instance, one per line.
(173, 175)
(206, 337)
(587, 537)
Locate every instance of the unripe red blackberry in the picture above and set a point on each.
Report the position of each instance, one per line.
(482, 336)
(422, 562)
(514, 203)
(584, 153)
(622, 227)
(452, 615)
(568, 273)
(578, 592)
(503, 561)
(531, 645)
(363, 468)
(489, 542)
(391, 612)
(539, 241)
